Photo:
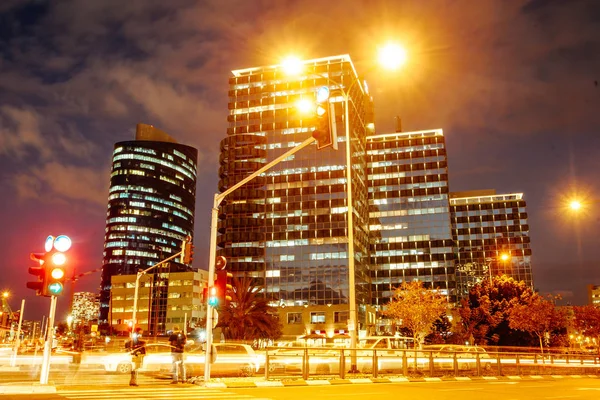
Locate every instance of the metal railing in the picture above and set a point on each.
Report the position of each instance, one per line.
(315, 361)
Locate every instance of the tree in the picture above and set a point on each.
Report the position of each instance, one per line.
(416, 308)
(586, 320)
(537, 315)
(248, 316)
(484, 312)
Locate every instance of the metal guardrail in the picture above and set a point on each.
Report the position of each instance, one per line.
(315, 361)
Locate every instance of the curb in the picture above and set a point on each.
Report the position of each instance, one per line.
(337, 381)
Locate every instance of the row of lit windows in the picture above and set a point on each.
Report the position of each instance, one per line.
(489, 235)
(154, 231)
(413, 199)
(405, 174)
(411, 252)
(400, 213)
(495, 211)
(490, 224)
(119, 188)
(188, 171)
(409, 186)
(137, 149)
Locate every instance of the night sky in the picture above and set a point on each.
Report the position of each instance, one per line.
(514, 84)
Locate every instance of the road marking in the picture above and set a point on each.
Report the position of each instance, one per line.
(152, 393)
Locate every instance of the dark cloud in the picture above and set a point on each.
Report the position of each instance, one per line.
(510, 82)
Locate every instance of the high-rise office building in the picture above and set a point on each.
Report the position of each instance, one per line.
(150, 209)
(288, 227)
(492, 237)
(409, 216)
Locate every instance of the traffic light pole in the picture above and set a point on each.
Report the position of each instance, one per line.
(137, 288)
(45, 371)
(219, 197)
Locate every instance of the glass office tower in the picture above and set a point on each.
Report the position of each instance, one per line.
(288, 227)
(492, 235)
(150, 212)
(409, 215)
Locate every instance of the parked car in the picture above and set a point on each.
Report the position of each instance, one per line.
(466, 356)
(232, 359)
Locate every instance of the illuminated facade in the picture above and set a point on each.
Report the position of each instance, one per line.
(184, 301)
(150, 209)
(594, 295)
(288, 227)
(409, 218)
(492, 237)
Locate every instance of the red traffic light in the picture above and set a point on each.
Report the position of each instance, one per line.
(220, 262)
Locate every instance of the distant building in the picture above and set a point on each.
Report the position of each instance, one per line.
(594, 295)
(164, 300)
(409, 215)
(85, 309)
(492, 237)
(151, 207)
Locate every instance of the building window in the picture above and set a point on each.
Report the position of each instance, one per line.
(317, 317)
(340, 317)
(294, 318)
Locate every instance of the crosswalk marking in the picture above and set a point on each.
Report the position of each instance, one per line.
(153, 393)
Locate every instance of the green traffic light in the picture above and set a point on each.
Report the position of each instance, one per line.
(55, 288)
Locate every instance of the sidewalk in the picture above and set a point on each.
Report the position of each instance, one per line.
(225, 383)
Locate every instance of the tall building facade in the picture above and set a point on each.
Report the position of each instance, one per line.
(151, 208)
(288, 227)
(492, 237)
(409, 213)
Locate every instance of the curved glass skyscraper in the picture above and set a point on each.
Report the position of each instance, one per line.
(150, 206)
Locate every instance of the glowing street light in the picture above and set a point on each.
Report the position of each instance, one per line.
(575, 205)
(292, 65)
(504, 257)
(392, 56)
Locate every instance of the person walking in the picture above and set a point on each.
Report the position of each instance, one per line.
(177, 341)
(138, 350)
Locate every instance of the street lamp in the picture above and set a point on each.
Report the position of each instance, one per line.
(390, 56)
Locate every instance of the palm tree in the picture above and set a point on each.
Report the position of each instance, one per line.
(248, 316)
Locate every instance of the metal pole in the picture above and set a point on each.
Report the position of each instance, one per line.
(48, 345)
(137, 288)
(13, 360)
(211, 278)
(135, 301)
(351, 273)
(219, 197)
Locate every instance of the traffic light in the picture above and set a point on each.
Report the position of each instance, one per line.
(224, 288)
(325, 132)
(40, 272)
(187, 252)
(55, 273)
(213, 296)
(51, 271)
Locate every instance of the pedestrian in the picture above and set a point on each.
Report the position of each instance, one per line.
(177, 341)
(137, 347)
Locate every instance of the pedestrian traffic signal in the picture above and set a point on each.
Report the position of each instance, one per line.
(324, 132)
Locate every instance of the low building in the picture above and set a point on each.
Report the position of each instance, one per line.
(594, 295)
(165, 299)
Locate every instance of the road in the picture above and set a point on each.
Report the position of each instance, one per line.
(550, 389)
